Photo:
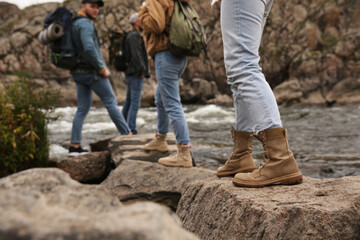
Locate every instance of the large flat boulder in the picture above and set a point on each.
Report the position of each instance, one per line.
(47, 204)
(314, 209)
(138, 180)
(132, 147)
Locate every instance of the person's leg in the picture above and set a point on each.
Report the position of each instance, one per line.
(127, 102)
(256, 107)
(169, 68)
(136, 89)
(102, 87)
(159, 142)
(162, 116)
(242, 24)
(84, 97)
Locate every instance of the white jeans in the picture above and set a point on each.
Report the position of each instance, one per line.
(242, 23)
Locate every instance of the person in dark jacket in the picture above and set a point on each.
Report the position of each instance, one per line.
(138, 68)
(91, 74)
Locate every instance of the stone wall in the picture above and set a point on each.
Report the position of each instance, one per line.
(310, 50)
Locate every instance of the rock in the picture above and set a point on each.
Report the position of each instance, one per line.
(301, 39)
(48, 204)
(300, 13)
(148, 93)
(132, 147)
(190, 93)
(288, 92)
(221, 100)
(110, 20)
(346, 91)
(139, 180)
(5, 46)
(315, 209)
(99, 146)
(7, 10)
(19, 39)
(90, 168)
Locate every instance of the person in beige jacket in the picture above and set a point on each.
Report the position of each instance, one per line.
(154, 18)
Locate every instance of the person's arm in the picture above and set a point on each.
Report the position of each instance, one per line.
(90, 53)
(152, 17)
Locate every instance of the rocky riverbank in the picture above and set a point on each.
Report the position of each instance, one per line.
(310, 52)
(134, 201)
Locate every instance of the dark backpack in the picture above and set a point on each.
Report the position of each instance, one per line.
(117, 52)
(186, 35)
(62, 51)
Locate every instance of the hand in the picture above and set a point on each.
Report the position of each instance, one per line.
(143, 4)
(106, 74)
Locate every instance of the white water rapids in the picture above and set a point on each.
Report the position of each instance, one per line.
(325, 141)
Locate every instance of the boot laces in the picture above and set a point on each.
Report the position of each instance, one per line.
(232, 152)
(261, 138)
(173, 156)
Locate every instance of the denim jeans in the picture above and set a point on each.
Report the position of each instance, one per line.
(85, 85)
(132, 102)
(242, 23)
(169, 68)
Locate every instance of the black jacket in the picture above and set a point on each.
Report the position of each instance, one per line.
(136, 55)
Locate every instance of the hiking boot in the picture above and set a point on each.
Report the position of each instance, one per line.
(241, 159)
(73, 151)
(180, 159)
(279, 165)
(157, 144)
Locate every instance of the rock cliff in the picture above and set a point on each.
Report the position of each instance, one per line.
(310, 51)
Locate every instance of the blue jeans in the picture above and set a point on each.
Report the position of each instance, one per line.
(85, 85)
(132, 102)
(242, 23)
(169, 68)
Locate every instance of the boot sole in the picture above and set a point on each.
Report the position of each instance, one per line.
(232, 173)
(284, 180)
(163, 151)
(176, 165)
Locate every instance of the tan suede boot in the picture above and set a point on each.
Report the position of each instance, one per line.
(241, 159)
(180, 159)
(157, 144)
(279, 166)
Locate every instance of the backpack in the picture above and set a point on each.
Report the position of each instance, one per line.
(62, 51)
(117, 52)
(186, 35)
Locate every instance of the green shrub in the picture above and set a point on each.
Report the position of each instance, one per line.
(23, 132)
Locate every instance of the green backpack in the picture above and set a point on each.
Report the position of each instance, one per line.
(186, 36)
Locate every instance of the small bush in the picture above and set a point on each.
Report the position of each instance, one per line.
(23, 132)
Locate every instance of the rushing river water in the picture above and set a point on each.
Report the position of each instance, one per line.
(325, 141)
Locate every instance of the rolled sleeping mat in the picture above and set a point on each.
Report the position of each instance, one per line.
(51, 33)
